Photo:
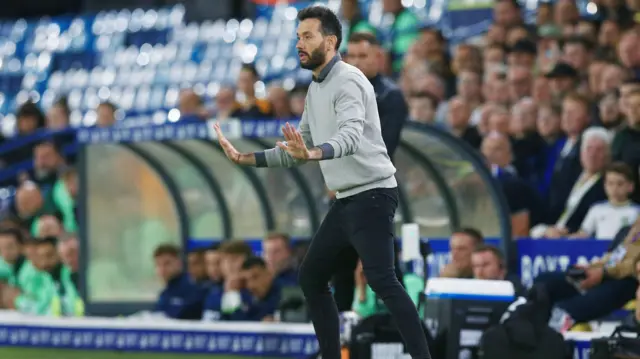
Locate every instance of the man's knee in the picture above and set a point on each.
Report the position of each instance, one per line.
(311, 279)
(382, 281)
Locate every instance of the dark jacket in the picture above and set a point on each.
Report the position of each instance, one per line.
(626, 148)
(181, 299)
(566, 172)
(393, 111)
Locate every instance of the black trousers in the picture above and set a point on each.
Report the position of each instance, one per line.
(363, 222)
(597, 302)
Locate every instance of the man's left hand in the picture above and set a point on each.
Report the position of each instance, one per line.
(295, 145)
(594, 277)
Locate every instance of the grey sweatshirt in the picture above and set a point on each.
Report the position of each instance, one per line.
(341, 117)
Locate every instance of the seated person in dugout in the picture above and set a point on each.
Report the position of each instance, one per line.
(608, 284)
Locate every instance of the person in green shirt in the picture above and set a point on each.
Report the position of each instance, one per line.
(46, 259)
(365, 301)
(29, 290)
(404, 32)
(355, 22)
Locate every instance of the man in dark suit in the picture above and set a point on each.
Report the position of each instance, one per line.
(364, 52)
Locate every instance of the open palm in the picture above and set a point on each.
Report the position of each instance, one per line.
(295, 145)
(226, 145)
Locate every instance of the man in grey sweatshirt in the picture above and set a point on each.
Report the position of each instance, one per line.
(340, 128)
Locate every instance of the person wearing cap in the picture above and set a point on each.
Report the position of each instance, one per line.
(523, 53)
(564, 79)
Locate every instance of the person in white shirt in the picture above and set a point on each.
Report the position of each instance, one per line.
(606, 218)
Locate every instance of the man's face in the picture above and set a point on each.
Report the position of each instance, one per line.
(28, 201)
(312, 45)
(231, 264)
(276, 254)
(505, 14)
(68, 251)
(459, 113)
(27, 124)
(497, 91)
(574, 117)
(594, 155)
(617, 187)
(105, 116)
(49, 226)
(9, 248)
(461, 246)
(246, 82)
(486, 266)
(57, 118)
(213, 261)
(496, 151)
(469, 85)
(257, 281)
(521, 59)
(421, 110)
(167, 266)
(629, 51)
(548, 123)
(365, 57)
(189, 102)
(499, 122)
(561, 85)
(625, 91)
(279, 100)
(493, 56)
(633, 110)
(195, 266)
(519, 84)
(45, 160)
(46, 257)
(576, 55)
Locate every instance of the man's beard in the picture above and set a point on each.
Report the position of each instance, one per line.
(315, 59)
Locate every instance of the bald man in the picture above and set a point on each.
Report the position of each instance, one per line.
(226, 104)
(280, 105)
(190, 104)
(28, 202)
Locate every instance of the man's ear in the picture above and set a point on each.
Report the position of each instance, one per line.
(331, 42)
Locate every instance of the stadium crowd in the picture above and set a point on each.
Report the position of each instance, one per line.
(554, 108)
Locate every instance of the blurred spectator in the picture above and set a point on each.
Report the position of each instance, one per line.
(28, 203)
(297, 100)
(213, 262)
(191, 105)
(263, 289)
(461, 245)
(68, 302)
(226, 104)
(587, 190)
(566, 13)
(181, 298)
(499, 121)
(609, 34)
(364, 52)
(29, 118)
(613, 75)
(279, 100)
(609, 284)
(276, 249)
(506, 13)
(626, 144)
(458, 118)
(629, 51)
(523, 53)
(251, 106)
(489, 263)
(69, 251)
(234, 253)
(355, 22)
(605, 219)
(563, 79)
(609, 113)
(576, 52)
(49, 225)
(47, 159)
(422, 107)
(404, 31)
(497, 150)
(520, 82)
(548, 126)
(574, 120)
(196, 266)
(58, 115)
(494, 55)
(367, 303)
(106, 114)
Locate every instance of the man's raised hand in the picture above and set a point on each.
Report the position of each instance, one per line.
(295, 145)
(227, 147)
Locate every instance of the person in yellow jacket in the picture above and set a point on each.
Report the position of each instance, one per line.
(607, 285)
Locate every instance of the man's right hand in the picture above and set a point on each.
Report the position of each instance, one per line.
(231, 152)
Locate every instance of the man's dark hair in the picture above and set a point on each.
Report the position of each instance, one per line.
(252, 69)
(110, 105)
(281, 236)
(426, 95)
(214, 247)
(493, 249)
(252, 262)
(329, 22)
(473, 233)
(56, 147)
(434, 30)
(13, 232)
(514, 3)
(198, 251)
(357, 37)
(30, 109)
(63, 104)
(167, 249)
(236, 247)
(48, 241)
(580, 40)
(622, 169)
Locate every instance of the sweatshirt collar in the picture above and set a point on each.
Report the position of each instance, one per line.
(325, 71)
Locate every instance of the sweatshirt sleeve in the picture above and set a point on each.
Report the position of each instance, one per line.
(39, 296)
(349, 105)
(275, 157)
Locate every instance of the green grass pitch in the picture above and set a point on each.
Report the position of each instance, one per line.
(29, 353)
